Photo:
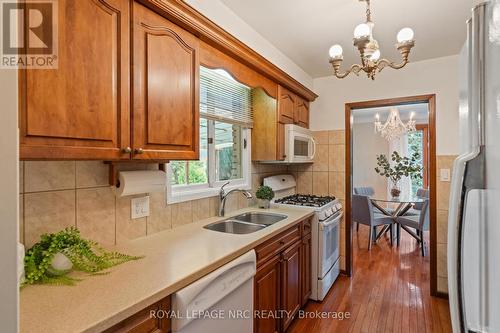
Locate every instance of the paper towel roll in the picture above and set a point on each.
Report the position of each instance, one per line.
(138, 182)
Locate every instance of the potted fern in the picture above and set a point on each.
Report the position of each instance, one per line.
(401, 167)
(264, 195)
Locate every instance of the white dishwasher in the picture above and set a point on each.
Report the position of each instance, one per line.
(221, 301)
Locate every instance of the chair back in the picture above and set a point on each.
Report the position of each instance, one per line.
(421, 193)
(362, 209)
(424, 216)
(366, 191)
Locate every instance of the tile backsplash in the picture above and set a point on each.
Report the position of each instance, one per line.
(58, 194)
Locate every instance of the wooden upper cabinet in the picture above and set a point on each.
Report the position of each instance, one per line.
(165, 121)
(81, 109)
(301, 116)
(286, 105)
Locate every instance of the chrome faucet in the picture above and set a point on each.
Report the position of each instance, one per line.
(223, 196)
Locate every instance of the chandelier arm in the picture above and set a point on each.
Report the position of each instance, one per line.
(353, 69)
(383, 63)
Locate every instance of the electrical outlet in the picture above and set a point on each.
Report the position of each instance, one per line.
(140, 207)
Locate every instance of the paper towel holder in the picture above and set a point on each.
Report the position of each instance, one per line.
(113, 169)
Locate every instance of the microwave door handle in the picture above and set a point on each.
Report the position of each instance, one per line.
(314, 148)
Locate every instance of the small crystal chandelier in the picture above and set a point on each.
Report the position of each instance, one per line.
(369, 50)
(394, 127)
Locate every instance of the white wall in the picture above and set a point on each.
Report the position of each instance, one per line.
(439, 76)
(222, 15)
(9, 202)
(366, 146)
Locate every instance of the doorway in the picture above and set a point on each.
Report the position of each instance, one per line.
(425, 136)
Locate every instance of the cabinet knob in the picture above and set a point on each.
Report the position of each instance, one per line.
(126, 150)
(138, 151)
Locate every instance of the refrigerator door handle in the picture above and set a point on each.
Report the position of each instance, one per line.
(468, 174)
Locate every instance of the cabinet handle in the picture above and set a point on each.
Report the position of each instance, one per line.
(138, 151)
(126, 150)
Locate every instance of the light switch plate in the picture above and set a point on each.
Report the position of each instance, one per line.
(140, 207)
(444, 175)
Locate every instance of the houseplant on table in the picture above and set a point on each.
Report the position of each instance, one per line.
(401, 167)
(264, 195)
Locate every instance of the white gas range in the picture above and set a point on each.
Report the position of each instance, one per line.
(325, 231)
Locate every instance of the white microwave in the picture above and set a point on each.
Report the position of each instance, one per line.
(300, 146)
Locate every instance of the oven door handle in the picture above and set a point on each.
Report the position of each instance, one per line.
(329, 222)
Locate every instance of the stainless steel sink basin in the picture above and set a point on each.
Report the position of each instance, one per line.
(232, 226)
(260, 218)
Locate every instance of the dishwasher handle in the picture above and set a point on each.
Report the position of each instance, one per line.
(204, 293)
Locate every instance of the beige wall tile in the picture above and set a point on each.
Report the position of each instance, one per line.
(320, 183)
(321, 158)
(337, 184)
(160, 214)
(126, 227)
(49, 176)
(305, 167)
(272, 168)
(232, 203)
(47, 212)
(182, 213)
(442, 269)
(443, 195)
(442, 226)
(95, 214)
(214, 206)
(21, 218)
(445, 162)
(21, 176)
(321, 137)
(91, 174)
(304, 182)
(255, 167)
(201, 209)
(336, 137)
(336, 158)
(442, 285)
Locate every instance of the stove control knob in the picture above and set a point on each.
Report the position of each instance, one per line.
(322, 215)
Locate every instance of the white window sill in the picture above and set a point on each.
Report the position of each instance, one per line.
(195, 194)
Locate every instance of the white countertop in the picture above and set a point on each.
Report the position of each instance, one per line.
(173, 259)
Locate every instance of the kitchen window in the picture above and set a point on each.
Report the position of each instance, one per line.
(225, 123)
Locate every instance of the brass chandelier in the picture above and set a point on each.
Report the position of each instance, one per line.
(369, 50)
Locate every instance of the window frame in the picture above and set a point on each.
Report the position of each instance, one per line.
(183, 193)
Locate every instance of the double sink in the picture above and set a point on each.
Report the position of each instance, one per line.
(246, 223)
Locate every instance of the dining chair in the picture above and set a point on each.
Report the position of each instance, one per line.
(417, 207)
(362, 213)
(418, 222)
(366, 191)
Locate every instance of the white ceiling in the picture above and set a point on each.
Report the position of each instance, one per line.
(305, 30)
(421, 113)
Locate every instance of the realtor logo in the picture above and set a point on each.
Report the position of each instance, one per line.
(29, 34)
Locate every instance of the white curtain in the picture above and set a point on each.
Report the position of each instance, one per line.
(401, 146)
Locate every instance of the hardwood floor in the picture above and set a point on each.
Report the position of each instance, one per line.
(389, 292)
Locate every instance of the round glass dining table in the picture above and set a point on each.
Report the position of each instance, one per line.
(403, 204)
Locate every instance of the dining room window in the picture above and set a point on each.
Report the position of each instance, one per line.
(225, 129)
(418, 141)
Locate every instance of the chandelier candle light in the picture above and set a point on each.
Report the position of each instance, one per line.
(369, 50)
(394, 127)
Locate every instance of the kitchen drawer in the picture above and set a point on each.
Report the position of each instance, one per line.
(278, 243)
(306, 227)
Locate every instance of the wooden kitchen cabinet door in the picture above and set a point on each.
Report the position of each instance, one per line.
(81, 108)
(165, 121)
(267, 295)
(302, 113)
(291, 299)
(305, 269)
(286, 105)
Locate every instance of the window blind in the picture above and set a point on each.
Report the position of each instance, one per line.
(224, 99)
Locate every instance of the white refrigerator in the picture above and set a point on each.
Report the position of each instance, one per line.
(474, 214)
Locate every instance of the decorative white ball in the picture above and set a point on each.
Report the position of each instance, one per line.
(61, 263)
(362, 30)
